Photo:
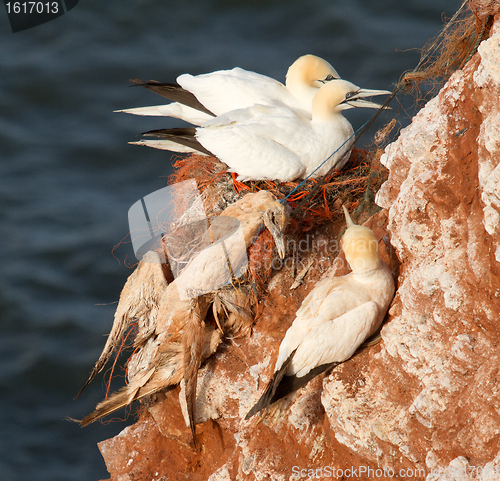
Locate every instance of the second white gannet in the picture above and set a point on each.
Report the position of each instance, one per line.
(270, 142)
(199, 98)
(336, 317)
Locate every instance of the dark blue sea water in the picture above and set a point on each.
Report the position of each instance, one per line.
(68, 176)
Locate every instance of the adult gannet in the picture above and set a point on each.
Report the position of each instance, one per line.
(271, 142)
(199, 98)
(335, 318)
(174, 336)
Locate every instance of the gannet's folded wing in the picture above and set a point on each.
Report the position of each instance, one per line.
(226, 90)
(334, 341)
(329, 300)
(174, 92)
(258, 142)
(323, 289)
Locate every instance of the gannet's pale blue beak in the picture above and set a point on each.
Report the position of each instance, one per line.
(357, 99)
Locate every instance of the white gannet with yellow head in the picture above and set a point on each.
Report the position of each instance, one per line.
(199, 98)
(336, 317)
(272, 142)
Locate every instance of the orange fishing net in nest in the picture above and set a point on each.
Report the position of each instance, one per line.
(448, 52)
(314, 202)
(200, 167)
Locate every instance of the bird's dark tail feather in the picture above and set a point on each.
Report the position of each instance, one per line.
(117, 400)
(281, 385)
(174, 92)
(181, 135)
(290, 384)
(268, 395)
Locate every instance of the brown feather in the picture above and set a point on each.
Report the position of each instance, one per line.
(139, 300)
(173, 334)
(193, 347)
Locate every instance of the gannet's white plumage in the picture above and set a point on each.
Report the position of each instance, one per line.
(337, 316)
(226, 90)
(174, 336)
(271, 142)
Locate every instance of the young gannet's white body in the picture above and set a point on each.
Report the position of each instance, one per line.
(174, 334)
(270, 142)
(337, 316)
(225, 90)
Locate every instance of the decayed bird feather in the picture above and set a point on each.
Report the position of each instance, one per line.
(199, 98)
(272, 142)
(174, 335)
(336, 317)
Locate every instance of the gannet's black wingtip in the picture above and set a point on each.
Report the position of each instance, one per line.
(181, 135)
(278, 389)
(153, 84)
(267, 397)
(290, 384)
(172, 91)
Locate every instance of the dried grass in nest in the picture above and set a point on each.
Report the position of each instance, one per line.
(440, 58)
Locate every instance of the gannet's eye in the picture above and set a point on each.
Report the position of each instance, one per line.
(348, 95)
(329, 77)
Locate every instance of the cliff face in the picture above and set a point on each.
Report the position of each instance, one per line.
(426, 397)
(431, 393)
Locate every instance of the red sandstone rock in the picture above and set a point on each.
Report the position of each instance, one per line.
(426, 398)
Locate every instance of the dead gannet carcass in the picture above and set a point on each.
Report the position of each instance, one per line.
(174, 334)
(336, 317)
(198, 98)
(270, 142)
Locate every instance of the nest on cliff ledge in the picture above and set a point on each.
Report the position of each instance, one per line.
(313, 202)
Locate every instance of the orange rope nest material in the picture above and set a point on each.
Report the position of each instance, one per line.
(317, 200)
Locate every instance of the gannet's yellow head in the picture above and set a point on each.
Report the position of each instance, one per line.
(338, 95)
(310, 71)
(360, 247)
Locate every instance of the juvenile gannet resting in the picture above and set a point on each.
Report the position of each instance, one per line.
(174, 335)
(335, 318)
(199, 98)
(269, 142)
